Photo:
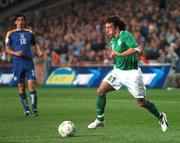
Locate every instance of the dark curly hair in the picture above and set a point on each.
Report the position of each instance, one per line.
(117, 22)
(19, 15)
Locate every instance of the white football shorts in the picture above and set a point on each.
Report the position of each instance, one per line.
(131, 79)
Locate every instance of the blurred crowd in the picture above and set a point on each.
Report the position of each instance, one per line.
(72, 33)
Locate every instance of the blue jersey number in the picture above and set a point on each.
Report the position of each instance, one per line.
(23, 40)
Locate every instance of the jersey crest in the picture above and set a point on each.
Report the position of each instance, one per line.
(119, 42)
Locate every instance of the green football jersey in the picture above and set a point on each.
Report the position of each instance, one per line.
(121, 43)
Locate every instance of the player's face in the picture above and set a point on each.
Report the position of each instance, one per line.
(110, 30)
(20, 22)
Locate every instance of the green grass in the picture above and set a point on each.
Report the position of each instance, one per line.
(125, 121)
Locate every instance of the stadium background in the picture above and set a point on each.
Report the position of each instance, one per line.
(70, 32)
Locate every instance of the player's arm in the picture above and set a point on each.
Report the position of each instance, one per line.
(12, 52)
(36, 46)
(38, 50)
(133, 47)
(8, 44)
(128, 52)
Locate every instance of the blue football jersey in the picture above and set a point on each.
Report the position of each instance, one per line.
(23, 67)
(21, 40)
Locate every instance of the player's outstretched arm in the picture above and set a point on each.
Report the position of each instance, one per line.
(128, 52)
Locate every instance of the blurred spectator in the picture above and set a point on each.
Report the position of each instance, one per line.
(72, 33)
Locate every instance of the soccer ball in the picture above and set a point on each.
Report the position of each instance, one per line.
(66, 129)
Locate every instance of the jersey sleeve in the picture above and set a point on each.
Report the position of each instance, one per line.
(33, 41)
(8, 39)
(130, 41)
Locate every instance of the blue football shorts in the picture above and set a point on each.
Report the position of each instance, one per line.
(23, 70)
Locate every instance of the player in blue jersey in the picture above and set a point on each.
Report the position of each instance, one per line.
(19, 44)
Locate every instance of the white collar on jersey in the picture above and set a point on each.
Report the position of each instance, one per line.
(19, 29)
(120, 33)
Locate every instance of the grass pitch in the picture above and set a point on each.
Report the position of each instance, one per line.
(125, 121)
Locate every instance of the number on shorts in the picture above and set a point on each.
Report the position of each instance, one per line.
(33, 73)
(111, 79)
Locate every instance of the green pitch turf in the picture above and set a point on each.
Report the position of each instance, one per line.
(125, 121)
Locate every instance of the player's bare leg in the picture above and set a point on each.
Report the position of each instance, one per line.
(150, 106)
(100, 105)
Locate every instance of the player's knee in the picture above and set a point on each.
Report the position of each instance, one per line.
(21, 88)
(31, 86)
(101, 92)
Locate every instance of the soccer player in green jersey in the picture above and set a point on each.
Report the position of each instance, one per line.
(125, 72)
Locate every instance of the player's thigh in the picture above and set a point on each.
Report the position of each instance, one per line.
(135, 85)
(31, 79)
(18, 73)
(30, 74)
(114, 79)
(104, 88)
(31, 85)
(21, 87)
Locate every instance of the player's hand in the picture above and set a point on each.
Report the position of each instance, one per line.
(40, 54)
(18, 53)
(113, 54)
